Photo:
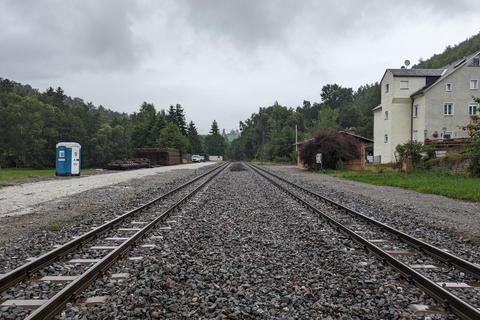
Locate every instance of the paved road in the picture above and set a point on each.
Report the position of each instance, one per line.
(21, 199)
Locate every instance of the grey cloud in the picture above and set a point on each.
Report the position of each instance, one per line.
(53, 37)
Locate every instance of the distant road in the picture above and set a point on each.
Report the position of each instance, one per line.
(18, 200)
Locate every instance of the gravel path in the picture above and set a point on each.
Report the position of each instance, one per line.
(22, 199)
(456, 217)
(243, 250)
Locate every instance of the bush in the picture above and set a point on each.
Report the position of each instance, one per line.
(475, 158)
(334, 147)
(413, 149)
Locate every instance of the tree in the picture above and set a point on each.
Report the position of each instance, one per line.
(194, 139)
(171, 137)
(327, 118)
(176, 115)
(145, 126)
(334, 147)
(336, 96)
(214, 142)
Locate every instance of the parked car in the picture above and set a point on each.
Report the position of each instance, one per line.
(196, 158)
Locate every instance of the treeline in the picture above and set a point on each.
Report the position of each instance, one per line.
(270, 133)
(450, 54)
(33, 122)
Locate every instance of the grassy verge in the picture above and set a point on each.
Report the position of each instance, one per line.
(18, 173)
(457, 187)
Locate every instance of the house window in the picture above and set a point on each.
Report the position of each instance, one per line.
(473, 84)
(385, 138)
(448, 87)
(387, 88)
(447, 135)
(404, 84)
(473, 109)
(415, 111)
(448, 109)
(386, 115)
(415, 135)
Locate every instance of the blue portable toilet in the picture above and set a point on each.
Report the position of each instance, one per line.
(67, 159)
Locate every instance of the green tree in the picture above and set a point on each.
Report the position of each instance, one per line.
(215, 144)
(171, 137)
(194, 139)
(327, 118)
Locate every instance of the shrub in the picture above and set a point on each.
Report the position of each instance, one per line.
(475, 158)
(413, 149)
(334, 147)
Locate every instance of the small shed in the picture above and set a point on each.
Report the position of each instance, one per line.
(355, 164)
(67, 159)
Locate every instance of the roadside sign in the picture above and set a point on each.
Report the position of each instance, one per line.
(318, 158)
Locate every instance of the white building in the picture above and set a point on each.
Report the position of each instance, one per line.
(420, 104)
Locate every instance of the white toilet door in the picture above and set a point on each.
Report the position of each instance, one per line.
(75, 160)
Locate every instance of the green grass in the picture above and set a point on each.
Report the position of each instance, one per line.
(14, 173)
(458, 187)
(18, 173)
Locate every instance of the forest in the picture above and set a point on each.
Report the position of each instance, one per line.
(269, 135)
(33, 122)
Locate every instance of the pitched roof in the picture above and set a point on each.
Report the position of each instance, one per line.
(417, 72)
(448, 70)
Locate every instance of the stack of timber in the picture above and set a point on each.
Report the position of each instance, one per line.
(160, 156)
(129, 164)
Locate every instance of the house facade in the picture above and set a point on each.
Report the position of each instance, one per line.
(421, 104)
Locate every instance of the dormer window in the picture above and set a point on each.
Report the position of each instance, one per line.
(404, 84)
(448, 87)
(387, 88)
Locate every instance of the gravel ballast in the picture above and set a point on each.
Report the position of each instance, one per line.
(243, 249)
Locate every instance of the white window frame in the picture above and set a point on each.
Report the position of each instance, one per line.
(404, 88)
(415, 111)
(475, 108)
(445, 109)
(385, 115)
(475, 87)
(385, 138)
(448, 87)
(387, 87)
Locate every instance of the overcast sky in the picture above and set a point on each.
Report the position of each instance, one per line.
(219, 59)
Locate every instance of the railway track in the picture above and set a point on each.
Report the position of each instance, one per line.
(449, 279)
(103, 245)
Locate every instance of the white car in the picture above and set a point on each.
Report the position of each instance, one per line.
(196, 158)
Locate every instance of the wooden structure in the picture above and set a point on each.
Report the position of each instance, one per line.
(355, 164)
(456, 144)
(160, 156)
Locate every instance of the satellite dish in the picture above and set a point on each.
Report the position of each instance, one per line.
(407, 62)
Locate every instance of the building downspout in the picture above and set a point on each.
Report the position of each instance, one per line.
(411, 120)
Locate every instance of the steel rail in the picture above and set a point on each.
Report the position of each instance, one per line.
(435, 252)
(54, 305)
(18, 274)
(461, 308)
